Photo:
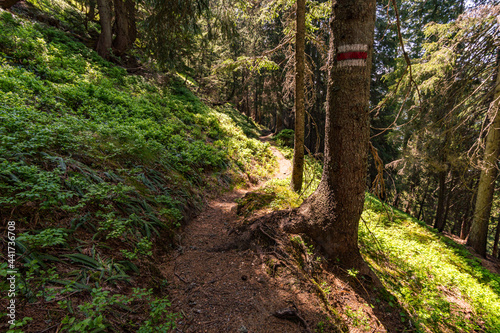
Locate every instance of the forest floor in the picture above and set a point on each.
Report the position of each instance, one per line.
(491, 263)
(218, 288)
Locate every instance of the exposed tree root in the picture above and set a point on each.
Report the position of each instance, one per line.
(275, 226)
(270, 235)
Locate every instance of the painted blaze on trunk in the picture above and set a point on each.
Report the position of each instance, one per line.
(332, 213)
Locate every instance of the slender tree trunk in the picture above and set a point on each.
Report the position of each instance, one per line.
(279, 118)
(423, 201)
(105, 38)
(446, 210)
(255, 96)
(6, 4)
(331, 215)
(439, 218)
(395, 200)
(448, 203)
(465, 227)
(259, 105)
(298, 146)
(495, 242)
(410, 199)
(479, 229)
(248, 112)
(407, 207)
(456, 226)
(467, 219)
(90, 16)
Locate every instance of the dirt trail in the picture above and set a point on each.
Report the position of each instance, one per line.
(220, 290)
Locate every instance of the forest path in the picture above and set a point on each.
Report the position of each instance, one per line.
(217, 289)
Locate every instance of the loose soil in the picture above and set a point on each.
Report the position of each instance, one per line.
(220, 288)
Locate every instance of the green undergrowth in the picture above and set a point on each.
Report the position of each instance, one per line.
(437, 281)
(439, 284)
(284, 196)
(98, 169)
(67, 15)
(285, 138)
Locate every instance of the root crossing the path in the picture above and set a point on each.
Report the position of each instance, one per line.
(219, 289)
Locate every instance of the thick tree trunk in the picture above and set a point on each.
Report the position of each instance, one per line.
(6, 4)
(479, 228)
(122, 42)
(298, 147)
(132, 21)
(495, 242)
(332, 213)
(105, 38)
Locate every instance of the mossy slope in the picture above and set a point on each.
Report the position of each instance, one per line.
(98, 169)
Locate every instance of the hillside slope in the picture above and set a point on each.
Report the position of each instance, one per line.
(431, 283)
(98, 169)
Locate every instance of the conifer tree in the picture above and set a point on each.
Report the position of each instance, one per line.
(298, 148)
(331, 214)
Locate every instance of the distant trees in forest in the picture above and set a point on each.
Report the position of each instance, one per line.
(432, 106)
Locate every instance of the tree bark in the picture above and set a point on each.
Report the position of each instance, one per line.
(456, 226)
(298, 146)
(439, 218)
(122, 41)
(332, 213)
(279, 118)
(424, 197)
(465, 227)
(448, 204)
(105, 38)
(494, 253)
(489, 171)
(132, 21)
(90, 16)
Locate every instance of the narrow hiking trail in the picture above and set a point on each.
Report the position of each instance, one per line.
(217, 289)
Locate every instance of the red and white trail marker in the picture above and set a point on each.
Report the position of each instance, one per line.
(352, 55)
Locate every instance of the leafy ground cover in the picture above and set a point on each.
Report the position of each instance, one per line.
(437, 284)
(283, 196)
(98, 169)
